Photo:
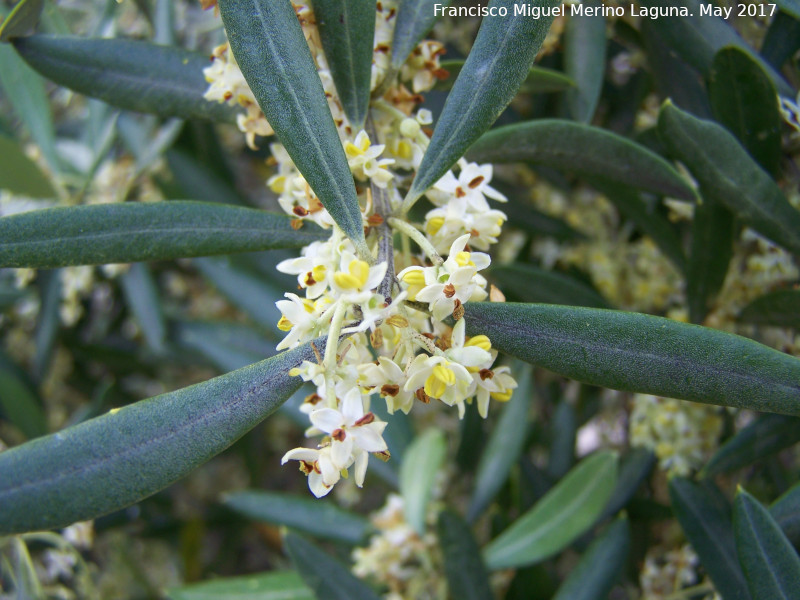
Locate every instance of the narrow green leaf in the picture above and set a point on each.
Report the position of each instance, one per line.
(421, 464)
(781, 309)
(705, 516)
(641, 353)
(713, 233)
(22, 19)
(646, 217)
(728, 175)
(414, 19)
(563, 430)
(790, 7)
(567, 511)
(19, 403)
(117, 459)
(48, 322)
(273, 54)
(228, 346)
(322, 519)
(672, 76)
(253, 294)
(134, 75)
(782, 40)
(767, 435)
(197, 181)
(504, 447)
(274, 585)
(744, 100)
(141, 295)
(585, 61)
(132, 231)
(584, 150)
(26, 580)
(771, 566)
(19, 174)
(698, 36)
(327, 577)
(521, 281)
(786, 512)
(164, 22)
(347, 29)
(600, 566)
(25, 91)
(540, 80)
(467, 577)
(634, 468)
(495, 69)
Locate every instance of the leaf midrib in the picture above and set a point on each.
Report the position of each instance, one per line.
(99, 463)
(567, 514)
(593, 346)
(333, 180)
(476, 99)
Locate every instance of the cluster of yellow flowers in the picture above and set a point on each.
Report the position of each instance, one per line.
(398, 319)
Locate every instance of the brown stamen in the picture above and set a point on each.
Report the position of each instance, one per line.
(476, 182)
(458, 310)
(338, 435)
(449, 290)
(486, 374)
(300, 211)
(313, 399)
(365, 420)
(390, 390)
(422, 396)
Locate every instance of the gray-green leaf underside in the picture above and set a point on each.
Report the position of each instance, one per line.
(114, 460)
(134, 75)
(495, 69)
(273, 54)
(642, 353)
(584, 150)
(130, 232)
(728, 175)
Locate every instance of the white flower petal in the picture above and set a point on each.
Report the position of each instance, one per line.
(305, 454)
(327, 419)
(368, 437)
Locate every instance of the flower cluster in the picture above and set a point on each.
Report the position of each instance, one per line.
(387, 335)
(397, 557)
(683, 435)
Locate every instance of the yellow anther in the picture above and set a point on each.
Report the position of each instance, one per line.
(463, 259)
(278, 184)
(438, 381)
(481, 341)
(356, 278)
(318, 272)
(352, 150)
(434, 225)
(294, 372)
(415, 278)
(503, 396)
(285, 324)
